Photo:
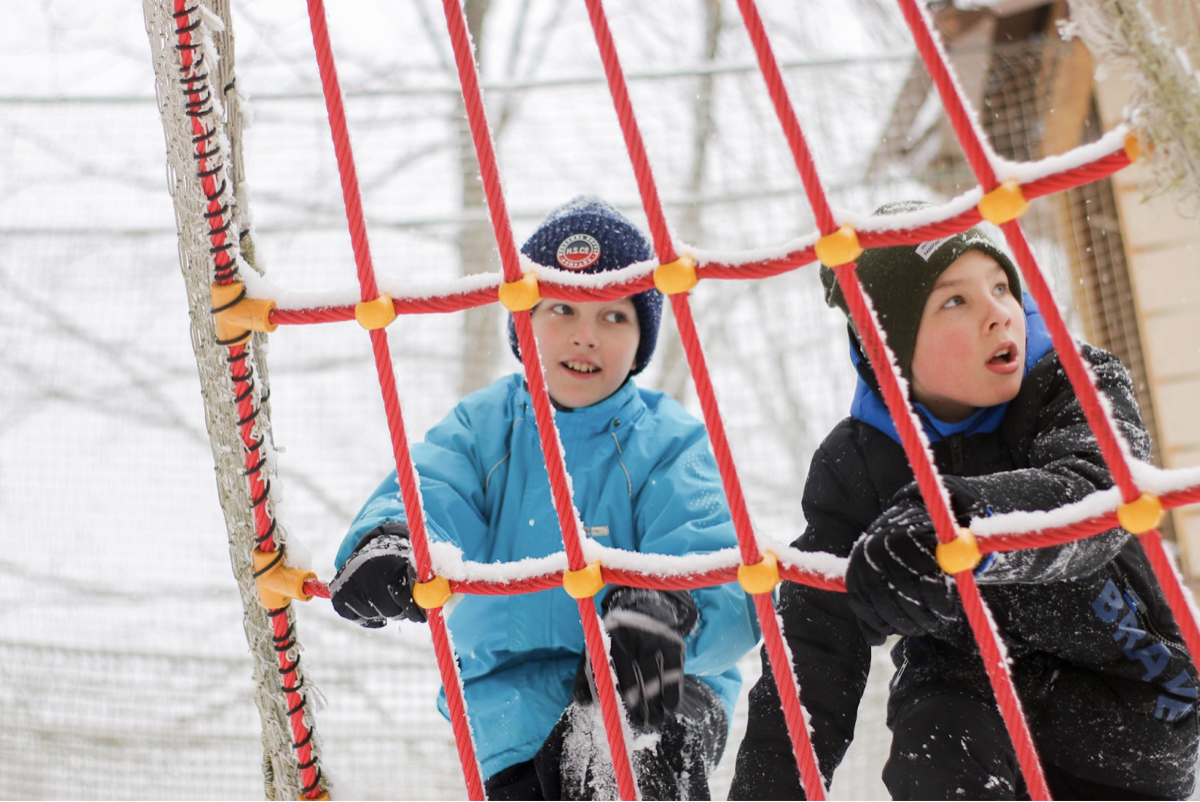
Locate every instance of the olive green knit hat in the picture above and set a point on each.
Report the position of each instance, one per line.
(899, 279)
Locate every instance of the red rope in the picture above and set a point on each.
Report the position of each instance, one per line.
(405, 472)
(456, 301)
(956, 110)
(1109, 440)
(780, 659)
(1172, 585)
(664, 249)
(614, 722)
(995, 661)
(460, 38)
(784, 110)
(937, 503)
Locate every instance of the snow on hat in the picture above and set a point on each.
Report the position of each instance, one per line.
(587, 235)
(899, 279)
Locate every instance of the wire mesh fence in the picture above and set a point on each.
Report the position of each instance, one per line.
(123, 672)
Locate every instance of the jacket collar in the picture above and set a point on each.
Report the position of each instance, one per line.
(868, 405)
(619, 408)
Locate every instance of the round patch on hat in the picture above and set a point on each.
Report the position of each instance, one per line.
(578, 251)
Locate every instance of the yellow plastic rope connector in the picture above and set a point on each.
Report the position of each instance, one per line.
(324, 797)
(1004, 203)
(960, 554)
(839, 247)
(1141, 515)
(760, 578)
(676, 277)
(278, 584)
(1133, 147)
(518, 296)
(584, 583)
(431, 594)
(236, 315)
(377, 314)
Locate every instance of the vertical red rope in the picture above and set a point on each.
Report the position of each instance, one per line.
(405, 471)
(664, 249)
(716, 430)
(787, 116)
(1109, 440)
(956, 110)
(780, 658)
(1172, 585)
(938, 504)
(485, 151)
(568, 519)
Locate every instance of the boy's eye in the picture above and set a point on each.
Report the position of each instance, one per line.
(562, 309)
(952, 302)
(616, 317)
(1000, 289)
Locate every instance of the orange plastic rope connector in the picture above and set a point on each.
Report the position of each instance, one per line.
(760, 578)
(1133, 147)
(676, 277)
(584, 583)
(960, 554)
(236, 315)
(518, 296)
(278, 584)
(1004, 203)
(377, 314)
(323, 797)
(1141, 515)
(839, 247)
(432, 594)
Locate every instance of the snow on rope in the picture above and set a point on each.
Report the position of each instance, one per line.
(190, 81)
(1137, 501)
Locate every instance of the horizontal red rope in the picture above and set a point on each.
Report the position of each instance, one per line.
(455, 302)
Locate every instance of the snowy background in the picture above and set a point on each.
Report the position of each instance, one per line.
(124, 671)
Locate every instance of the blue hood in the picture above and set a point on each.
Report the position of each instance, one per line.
(869, 408)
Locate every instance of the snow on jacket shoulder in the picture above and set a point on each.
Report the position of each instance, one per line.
(644, 480)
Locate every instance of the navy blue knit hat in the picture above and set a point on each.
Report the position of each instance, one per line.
(587, 235)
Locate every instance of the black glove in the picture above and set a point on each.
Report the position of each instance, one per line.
(646, 629)
(894, 582)
(376, 583)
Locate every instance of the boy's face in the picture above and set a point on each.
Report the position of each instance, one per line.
(970, 349)
(587, 347)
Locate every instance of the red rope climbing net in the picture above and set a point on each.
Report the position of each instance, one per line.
(1106, 157)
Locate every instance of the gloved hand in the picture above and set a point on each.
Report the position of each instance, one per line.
(646, 629)
(894, 582)
(376, 583)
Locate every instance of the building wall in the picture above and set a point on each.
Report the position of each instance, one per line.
(1163, 251)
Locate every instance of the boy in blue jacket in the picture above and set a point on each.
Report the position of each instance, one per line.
(644, 480)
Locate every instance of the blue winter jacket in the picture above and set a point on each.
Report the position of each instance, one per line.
(641, 467)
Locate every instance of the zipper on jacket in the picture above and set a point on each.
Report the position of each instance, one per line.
(956, 454)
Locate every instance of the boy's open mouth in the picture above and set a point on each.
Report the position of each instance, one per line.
(580, 367)
(1004, 358)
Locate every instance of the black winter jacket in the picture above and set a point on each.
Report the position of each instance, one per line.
(1096, 655)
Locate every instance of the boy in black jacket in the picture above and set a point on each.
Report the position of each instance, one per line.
(1098, 661)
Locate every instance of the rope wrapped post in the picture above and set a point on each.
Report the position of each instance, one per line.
(193, 76)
